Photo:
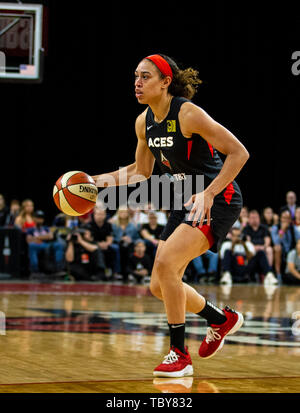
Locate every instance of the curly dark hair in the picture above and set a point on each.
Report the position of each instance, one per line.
(185, 81)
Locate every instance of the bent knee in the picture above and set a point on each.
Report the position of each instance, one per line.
(165, 265)
(155, 289)
(160, 266)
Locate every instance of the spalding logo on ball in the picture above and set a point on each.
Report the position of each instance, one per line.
(75, 193)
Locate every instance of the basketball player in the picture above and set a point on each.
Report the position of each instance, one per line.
(184, 141)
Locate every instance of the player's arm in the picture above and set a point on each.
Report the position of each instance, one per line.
(196, 120)
(138, 171)
(193, 119)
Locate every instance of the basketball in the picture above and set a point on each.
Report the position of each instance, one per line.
(75, 193)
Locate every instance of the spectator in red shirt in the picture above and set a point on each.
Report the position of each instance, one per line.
(25, 218)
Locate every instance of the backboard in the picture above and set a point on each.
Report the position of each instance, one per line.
(21, 42)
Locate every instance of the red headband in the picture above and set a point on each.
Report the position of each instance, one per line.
(162, 64)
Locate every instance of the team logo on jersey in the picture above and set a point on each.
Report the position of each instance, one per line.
(161, 142)
(164, 160)
(171, 125)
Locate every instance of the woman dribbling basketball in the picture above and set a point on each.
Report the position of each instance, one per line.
(184, 141)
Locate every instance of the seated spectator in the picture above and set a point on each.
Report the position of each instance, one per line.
(243, 217)
(291, 204)
(65, 221)
(101, 204)
(166, 214)
(240, 260)
(259, 235)
(138, 216)
(125, 234)
(14, 211)
(284, 239)
(151, 232)
(204, 275)
(85, 259)
(292, 272)
(139, 263)
(242, 221)
(102, 232)
(25, 218)
(123, 229)
(297, 222)
(40, 238)
(3, 211)
(269, 218)
(161, 215)
(62, 225)
(132, 212)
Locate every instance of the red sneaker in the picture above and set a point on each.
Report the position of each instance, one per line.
(215, 336)
(175, 364)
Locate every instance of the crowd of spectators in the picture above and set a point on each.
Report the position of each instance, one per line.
(103, 245)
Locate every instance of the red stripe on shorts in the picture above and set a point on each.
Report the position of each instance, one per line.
(228, 193)
(207, 231)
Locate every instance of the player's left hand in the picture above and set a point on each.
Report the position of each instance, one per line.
(202, 203)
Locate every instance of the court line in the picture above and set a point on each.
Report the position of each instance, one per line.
(149, 379)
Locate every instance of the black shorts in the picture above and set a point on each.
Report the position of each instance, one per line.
(223, 216)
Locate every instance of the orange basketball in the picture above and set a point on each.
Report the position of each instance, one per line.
(75, 193)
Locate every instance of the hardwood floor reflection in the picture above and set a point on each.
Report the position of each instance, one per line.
(109, 341)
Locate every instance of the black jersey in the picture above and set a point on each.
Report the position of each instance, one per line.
(184, 158)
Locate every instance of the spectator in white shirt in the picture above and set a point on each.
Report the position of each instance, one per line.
(240, 261)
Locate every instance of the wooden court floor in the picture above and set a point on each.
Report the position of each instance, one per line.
(107, 338)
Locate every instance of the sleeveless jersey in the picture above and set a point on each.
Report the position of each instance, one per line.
(184, 158)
